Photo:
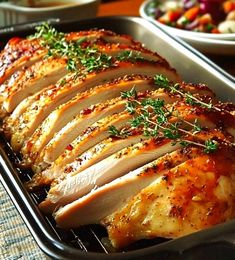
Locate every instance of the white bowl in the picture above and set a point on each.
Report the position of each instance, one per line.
(11, 13)
(205, 42)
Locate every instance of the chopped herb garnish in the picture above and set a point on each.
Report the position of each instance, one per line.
(122, 133)
(185, 20)
(163, 82)
(88, 59)
(129, 56)
(211, 146)
(154, 118)
(129, 94)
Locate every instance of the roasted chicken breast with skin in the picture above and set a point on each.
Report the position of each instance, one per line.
(32, 80)
(68, 111)
(90, 137)
(49, 71)
(157, 161)
(17, 54)
(111, 196)
(118, 164)
(187, 113)
(22, 53)
(93, 155)
(54, 96)
(68, 133)
(78, 184)
(195, 195)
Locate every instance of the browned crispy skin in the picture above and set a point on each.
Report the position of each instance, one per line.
(18, 53)
(19, 50)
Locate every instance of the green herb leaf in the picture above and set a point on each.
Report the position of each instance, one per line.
(129, 94)
(210, 146)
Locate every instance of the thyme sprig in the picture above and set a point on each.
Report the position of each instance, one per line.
(163, 82)
(77, 55)
(121, 133)
(130, 56)
(155, 118)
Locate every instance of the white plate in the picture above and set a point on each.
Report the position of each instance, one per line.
(223, 44)
(11, 13)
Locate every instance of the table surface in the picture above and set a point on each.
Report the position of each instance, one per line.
(131, 8)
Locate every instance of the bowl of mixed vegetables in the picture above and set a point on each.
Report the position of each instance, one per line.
(211, 19)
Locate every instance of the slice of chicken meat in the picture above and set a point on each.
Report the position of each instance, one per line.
(193, 196)
(184, 111)
(93, 155)
(118, 164)
(19, 53)
(32, 80)
(76, 185)
(111, 196)
(90, 137)
(76, 127)
(54, 147)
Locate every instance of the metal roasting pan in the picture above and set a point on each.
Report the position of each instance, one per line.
(89, 242)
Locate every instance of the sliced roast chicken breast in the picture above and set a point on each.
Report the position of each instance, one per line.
(59, 142)
(49, 71)
(195, 195)
(70, 111)
(87, 117)
(32, 80)
(56, 95)
(118, 164)
(188, 113)
(77, 184)
(17, 54)
(137, 186)
(111, 196)
(20, 52)
(93, 155)
(66, 112)
(184, 111)
(90, 137)
(77, 126)
(23, 89)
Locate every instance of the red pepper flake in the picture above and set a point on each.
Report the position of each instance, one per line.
(86, 111)
(69, 147)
